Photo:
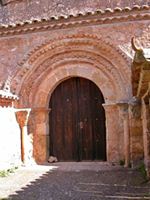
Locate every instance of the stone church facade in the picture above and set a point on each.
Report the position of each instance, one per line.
(45, 44)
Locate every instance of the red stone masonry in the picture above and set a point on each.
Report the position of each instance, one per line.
(22, 10)
(7, 99)
(98, 17)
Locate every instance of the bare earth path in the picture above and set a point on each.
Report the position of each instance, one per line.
(74, 181)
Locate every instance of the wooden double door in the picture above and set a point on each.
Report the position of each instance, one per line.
(77, 121)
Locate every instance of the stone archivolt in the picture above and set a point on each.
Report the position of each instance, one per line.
(68, 50)
(73, 39)
(52, 64)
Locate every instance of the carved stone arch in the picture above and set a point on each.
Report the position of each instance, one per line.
(52, 66)
(87, 43)
(41, 93)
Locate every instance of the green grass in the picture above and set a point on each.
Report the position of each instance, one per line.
(5, 173)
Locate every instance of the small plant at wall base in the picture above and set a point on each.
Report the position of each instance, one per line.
(4, 173)
(143, 171)
(122, 162)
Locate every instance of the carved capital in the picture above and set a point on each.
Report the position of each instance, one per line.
(135, 111)
(40, 114)
(135, 107)
(109, 107)
(22, 117)
(123, 108)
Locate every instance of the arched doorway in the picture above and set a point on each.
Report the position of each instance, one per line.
(77, 121)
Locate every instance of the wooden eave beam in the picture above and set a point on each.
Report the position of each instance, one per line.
(144, 79)
(136, 69)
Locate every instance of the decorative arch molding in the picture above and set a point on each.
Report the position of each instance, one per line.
(41, 96)
(73, 48)
(77, 60)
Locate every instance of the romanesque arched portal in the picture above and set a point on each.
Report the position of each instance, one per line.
(85, 56)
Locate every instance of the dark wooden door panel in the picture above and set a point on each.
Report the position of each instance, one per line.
(69, 118)
(63, 121)
(98, 123)
(85, 121)
(77, 121)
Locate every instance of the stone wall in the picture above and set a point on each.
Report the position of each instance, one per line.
(136, 134)
(14, 10)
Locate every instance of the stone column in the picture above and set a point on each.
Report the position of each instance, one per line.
(146, 134)
(136, 136)
(112, 132)
(125, 117)
(41, 133)
(22, 119)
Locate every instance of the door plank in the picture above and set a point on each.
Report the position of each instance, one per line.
(85, 131)
(98, 123)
